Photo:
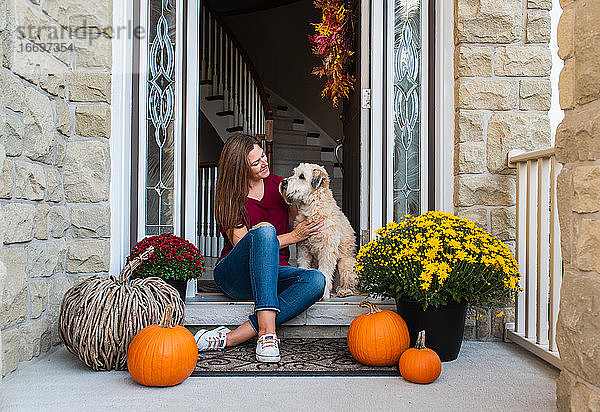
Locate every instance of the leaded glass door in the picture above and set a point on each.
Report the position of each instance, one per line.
(397, 120)
(408, 107)
(167, 142)
(160, 141)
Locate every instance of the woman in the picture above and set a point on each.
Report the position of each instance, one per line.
(255, 221)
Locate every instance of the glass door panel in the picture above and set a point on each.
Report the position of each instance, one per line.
(160, 142)
(407, 110)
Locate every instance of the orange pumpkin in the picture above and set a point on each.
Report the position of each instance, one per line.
(420, 364)
(377, 338)
(163, 354)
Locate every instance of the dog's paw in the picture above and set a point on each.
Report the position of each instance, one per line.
(342, 293)
(326, 295)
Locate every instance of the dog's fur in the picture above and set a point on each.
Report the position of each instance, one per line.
(334, 246)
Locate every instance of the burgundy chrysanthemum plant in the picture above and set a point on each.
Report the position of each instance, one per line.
(173, 258)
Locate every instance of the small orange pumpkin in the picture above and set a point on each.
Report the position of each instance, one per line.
(420, 364)
(377, 338)
(163, 354)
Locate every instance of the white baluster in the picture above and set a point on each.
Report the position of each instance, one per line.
(240, 119)
(257, 111)
(231, 76)
(207, 211)
(221, 61)
(262, 120)
(531, 280)
(246, 99)
(543, 248)
(203, 43)
(226, 88)
(208, 216)
(214, 60)
(250, 104)
(201, 207)
(215, 234)
(555, 256)
(209, 42)
(521, 244)
(220, 243)
(242, 97)
(255, 117)
(252, 94)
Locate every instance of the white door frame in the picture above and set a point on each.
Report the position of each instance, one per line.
(375, 148)
(142, 125)
(120, 147)
(365, 124)
(188, 107)
(371, 127)
(444, 100)
(121, 130)
(377, 126)
(192, 107)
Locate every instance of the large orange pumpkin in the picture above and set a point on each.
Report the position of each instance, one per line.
(163, 354)
(420, 364)
(377, 338)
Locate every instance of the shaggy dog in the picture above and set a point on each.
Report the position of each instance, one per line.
(334, 246)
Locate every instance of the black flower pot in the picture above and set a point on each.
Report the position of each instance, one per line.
(180, 285)
(444, 326)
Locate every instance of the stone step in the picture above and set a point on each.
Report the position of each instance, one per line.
(292, 331)
(284, 168)
(293, 137)
(307, 154)
(283, 122)
(215, 309)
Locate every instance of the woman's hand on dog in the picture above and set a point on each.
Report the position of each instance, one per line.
(307, 228)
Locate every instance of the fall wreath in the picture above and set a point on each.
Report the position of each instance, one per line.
(333, 41)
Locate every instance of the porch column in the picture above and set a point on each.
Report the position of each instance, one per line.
(502, 65)
(577, 147)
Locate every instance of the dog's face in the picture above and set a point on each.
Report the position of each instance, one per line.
(306, 180)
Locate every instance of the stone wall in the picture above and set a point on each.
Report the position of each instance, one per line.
(502, 97)
(54, 182)
(578, 148)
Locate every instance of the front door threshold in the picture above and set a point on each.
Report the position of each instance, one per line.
(214, 309)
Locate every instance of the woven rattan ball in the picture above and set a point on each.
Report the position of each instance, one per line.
(100, 316)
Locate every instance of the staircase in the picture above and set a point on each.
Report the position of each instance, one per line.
(233, 99)
(232, 96)
(296, 139)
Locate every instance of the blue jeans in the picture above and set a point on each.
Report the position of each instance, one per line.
(251, 271)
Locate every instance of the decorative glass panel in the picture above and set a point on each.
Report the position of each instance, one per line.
(161, 115)
(407, 107)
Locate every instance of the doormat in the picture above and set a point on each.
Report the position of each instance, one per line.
(299, 357)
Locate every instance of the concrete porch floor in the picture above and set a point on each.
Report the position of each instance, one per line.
(487, 376)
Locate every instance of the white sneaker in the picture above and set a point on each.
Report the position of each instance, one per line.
(267, 348)
(211, 339)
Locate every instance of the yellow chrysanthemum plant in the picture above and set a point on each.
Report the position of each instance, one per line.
(437, 258)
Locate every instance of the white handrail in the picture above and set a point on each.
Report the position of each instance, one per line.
(538, 253)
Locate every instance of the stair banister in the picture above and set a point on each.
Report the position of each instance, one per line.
(226, 63)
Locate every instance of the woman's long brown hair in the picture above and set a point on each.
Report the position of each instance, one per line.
(233, 174)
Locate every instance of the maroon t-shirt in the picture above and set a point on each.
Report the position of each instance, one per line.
(273, 209)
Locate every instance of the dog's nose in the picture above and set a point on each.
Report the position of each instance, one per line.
(284, 184)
